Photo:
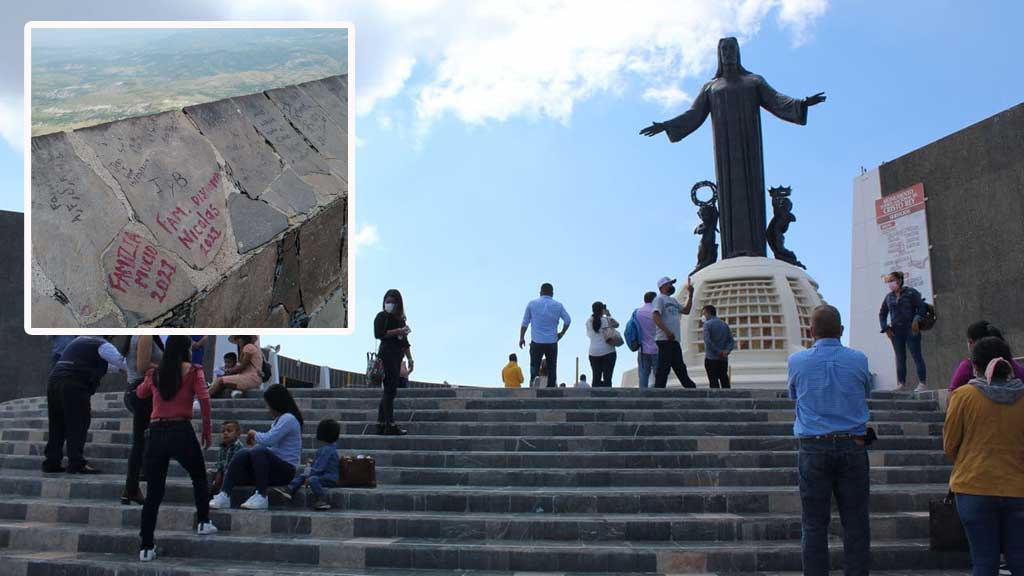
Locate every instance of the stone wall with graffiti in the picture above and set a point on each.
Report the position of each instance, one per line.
(227, 214)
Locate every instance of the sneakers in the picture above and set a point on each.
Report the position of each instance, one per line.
(255, 502)
(147, 554)
(206, 528)
(283, 493)
(922, 387)
(235, 394)
(321, 504)
(220, 501)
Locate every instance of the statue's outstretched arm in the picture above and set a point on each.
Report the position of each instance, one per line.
(682, 125)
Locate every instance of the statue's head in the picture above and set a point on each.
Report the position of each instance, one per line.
(729, 57)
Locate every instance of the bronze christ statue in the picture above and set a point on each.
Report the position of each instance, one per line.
(734, 98)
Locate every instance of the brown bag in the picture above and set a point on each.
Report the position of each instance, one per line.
(358, 472)
(945, 532)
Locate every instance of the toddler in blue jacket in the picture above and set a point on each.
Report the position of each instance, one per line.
(323, 469)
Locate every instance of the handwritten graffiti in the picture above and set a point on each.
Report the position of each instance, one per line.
(193, 222)
(63, 195)
(139, 267)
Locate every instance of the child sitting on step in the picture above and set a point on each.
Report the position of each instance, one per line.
(230, 444)
(323, 469)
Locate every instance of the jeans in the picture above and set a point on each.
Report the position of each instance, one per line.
(167, 440)
(834, 467)
(392, 363)
(670, 357)
(69, 410)
(993, 523)
(141, 409)
(602, 368)
(901, 341)
(549, 352)
(258, 466)
(645, 365)
(316, 484)
(718, 372)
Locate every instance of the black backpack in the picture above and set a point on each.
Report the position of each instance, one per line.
(266, 371)
(928, 320)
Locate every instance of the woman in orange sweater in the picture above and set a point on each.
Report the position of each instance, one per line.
(984, 437)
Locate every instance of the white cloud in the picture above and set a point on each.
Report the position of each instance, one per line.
(12, 124)
(366, 236)
(490, 60)
(668, 97)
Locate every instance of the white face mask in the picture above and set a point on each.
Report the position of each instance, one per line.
(893, 286)
(389, 307)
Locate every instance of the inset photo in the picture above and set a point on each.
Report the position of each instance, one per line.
(188, 175)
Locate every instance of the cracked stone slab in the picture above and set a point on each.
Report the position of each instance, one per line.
(330, 139)
(287, 142)
(286, 283)
(321, 242)
(171, 177)
(291, 194)
(241, 299)
(144, 279)
(255, 222)
(253, 163)
(75, 215)
(331, 96)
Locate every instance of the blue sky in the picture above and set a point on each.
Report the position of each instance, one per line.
(468, 207)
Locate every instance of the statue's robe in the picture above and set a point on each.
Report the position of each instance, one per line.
(735, 102)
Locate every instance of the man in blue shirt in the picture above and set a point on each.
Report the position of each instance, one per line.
(718, 343)
(542, 315)
(830, 384)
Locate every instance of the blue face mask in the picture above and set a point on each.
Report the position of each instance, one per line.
(389, 307)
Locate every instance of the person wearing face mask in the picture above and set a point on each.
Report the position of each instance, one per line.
(900, 317)
(965, 371)
(390, 328)
(667, 313)
(982, 436)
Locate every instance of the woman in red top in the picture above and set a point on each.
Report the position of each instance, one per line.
(173, 386)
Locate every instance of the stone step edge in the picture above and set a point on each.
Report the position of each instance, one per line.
(296, 510)
(625, 546)
(507, 470)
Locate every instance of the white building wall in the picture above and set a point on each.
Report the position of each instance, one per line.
(867, 289)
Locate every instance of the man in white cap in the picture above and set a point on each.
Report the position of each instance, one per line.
(667, 312)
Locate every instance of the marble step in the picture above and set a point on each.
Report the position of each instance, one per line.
(116, 410)
(498, 499)
(297, 521)
(570, 477)
(508, 402)
(547, 460)
(405, 553)
(70, 563)
(368, 443)
(546, 429)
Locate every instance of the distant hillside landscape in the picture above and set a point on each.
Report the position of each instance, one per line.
(86, 77)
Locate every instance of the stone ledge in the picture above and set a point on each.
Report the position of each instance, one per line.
(226, 214)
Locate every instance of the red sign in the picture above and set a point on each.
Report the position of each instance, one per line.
(899, 204)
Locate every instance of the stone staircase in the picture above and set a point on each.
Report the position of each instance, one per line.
(491, 481)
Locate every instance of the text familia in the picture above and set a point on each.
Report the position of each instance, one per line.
(139, 267)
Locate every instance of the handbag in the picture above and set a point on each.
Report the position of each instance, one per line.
(374, 369)
(612, 336)
(945, 531)
(358, 472)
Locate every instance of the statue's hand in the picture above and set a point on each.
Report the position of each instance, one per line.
(816, 99)
(654, 129)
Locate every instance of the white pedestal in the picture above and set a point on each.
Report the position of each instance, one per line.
(766, 302)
